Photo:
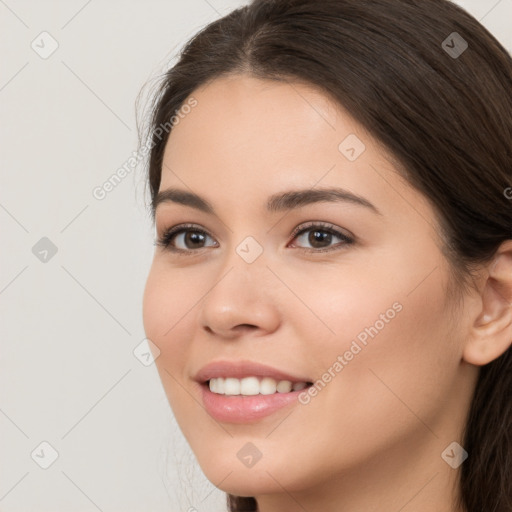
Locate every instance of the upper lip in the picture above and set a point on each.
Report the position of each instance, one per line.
(241, 369)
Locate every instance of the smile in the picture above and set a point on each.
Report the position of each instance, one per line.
(250, 386)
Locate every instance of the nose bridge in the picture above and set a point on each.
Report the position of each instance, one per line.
(241, 292)
(250, 250)
(248, 244)
(245, 267)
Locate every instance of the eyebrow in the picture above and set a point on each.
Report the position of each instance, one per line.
(279, 202)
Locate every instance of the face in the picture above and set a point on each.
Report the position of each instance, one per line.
(344, 291)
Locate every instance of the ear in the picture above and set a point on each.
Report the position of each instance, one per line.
(491, 332)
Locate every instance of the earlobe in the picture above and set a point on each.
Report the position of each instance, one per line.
(491, 333)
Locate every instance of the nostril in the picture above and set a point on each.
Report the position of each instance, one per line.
(245, 327)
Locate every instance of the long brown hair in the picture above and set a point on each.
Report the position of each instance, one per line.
(430, 83)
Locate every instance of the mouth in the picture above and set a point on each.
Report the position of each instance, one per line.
(239, 407)
(253, 385)
(244, 391)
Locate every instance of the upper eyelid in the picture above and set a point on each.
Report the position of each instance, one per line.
(327, 226)
(178, 228)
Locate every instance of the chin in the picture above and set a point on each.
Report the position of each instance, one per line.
(231, 476)
(246, 483)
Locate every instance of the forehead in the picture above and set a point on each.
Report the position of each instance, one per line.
(249, 137)
(244, 112)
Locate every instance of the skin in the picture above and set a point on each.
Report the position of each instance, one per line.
(372, 438)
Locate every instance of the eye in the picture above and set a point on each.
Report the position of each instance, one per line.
(188, 235)
(320, 236)
(192, 238)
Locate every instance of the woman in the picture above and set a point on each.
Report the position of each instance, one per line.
(331, 292)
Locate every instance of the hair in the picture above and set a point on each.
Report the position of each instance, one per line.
(445, 119)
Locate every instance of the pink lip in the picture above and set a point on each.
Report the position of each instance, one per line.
(241, 369)
(244, 409)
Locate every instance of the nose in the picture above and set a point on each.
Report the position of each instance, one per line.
(242, 300)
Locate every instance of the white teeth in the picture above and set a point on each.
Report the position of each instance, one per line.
(268, 386)
(232, 386)
(249, 386)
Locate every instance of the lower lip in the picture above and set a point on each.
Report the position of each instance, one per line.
(244, 409)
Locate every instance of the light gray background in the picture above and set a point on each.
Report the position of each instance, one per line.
(69, 326)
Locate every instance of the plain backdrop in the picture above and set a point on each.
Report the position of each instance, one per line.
(77, 394)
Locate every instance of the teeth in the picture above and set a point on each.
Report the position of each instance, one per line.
(268, 386)
(285, 386)
(249, 386)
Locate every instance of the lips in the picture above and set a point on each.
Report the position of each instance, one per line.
(240, 408)
(244, 368)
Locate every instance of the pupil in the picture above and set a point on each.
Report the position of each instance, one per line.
(314, 239)
(193, 237)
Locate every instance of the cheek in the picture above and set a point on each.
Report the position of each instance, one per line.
(165, 304)
(155, 310)
(396, 308)
(166, 300)
(377, 347)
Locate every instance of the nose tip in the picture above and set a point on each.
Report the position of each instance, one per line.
(240, 304)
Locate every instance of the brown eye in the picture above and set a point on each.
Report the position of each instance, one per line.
(191, 239)
(183, 238)
(320, 237)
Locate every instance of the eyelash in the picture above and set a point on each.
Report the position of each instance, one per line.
(168, 235)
